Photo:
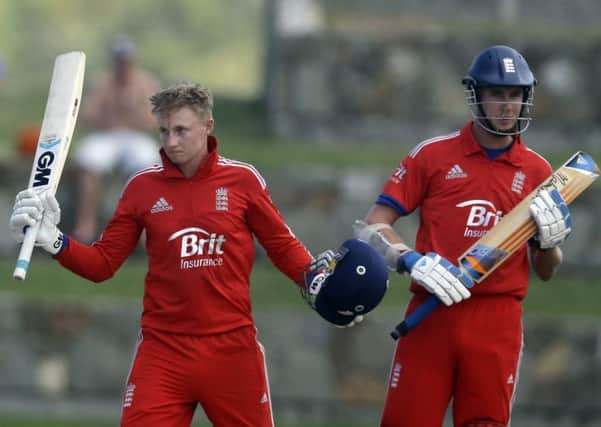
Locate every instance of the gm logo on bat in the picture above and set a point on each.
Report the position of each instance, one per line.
(45, 160)
(42, 169)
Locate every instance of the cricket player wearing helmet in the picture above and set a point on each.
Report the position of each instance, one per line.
(463, 183)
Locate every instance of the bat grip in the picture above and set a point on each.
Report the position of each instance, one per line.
(25, 252)
(420, 313)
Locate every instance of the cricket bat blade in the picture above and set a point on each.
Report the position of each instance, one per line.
(58, 124)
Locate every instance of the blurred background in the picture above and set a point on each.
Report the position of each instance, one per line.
(325, 97)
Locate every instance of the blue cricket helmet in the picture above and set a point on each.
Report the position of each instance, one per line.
(500, 66)
(356, 286)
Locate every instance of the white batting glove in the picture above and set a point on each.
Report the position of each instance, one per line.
(30, 208)
(438, 276)
(552, 217)
(316, 274)
(435, 273)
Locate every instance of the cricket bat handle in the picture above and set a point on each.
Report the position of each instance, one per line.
(26, 251)
(420, 313)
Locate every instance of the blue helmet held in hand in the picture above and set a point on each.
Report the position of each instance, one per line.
(356, 286)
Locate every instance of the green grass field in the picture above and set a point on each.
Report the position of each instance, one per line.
(567, 294)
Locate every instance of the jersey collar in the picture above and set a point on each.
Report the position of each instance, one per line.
(513, 156)
(205, 168)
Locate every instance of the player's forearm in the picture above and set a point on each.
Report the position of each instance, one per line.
(286, 252)
(546, 263)
(101, 260)
(377, 230)
(86, 261)
(379, 214)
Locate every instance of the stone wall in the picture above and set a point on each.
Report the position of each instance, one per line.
(60, 352)
(392, 70)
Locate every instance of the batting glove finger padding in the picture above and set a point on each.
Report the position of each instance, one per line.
(18, 222)
(316, 274)
(27, 210)
(30, 208)
(52, 210)
(552, 217)
(441, 278)
(29, 199)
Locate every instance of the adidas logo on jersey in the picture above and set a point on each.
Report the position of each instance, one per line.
(456, 172)
(161, 205)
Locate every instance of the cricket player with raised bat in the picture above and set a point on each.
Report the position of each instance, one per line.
(201, 212)
(469, 349)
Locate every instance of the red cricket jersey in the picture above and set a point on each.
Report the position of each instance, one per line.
(199, 241)
(461, 194)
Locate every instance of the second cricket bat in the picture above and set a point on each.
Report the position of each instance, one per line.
(58, 124)
(513, 231)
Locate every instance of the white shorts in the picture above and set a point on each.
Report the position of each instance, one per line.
(123, 150)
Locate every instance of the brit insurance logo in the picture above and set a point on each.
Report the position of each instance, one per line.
(482, 216)
(199, 248)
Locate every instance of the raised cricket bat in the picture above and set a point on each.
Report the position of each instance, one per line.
(58, 124)
(514, 230)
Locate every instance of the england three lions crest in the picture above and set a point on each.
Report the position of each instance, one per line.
(221, 202)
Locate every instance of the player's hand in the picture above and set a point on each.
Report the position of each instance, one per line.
(316, 274)
(315, 277)
(552, 217)
(31, 208)
(437, 275)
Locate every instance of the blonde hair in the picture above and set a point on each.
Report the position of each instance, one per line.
(181, 95)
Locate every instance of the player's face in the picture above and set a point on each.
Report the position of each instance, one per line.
(502, 106)
(184, 138)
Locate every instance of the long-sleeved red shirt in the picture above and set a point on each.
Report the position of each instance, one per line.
(462, 194)
(199, 241)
